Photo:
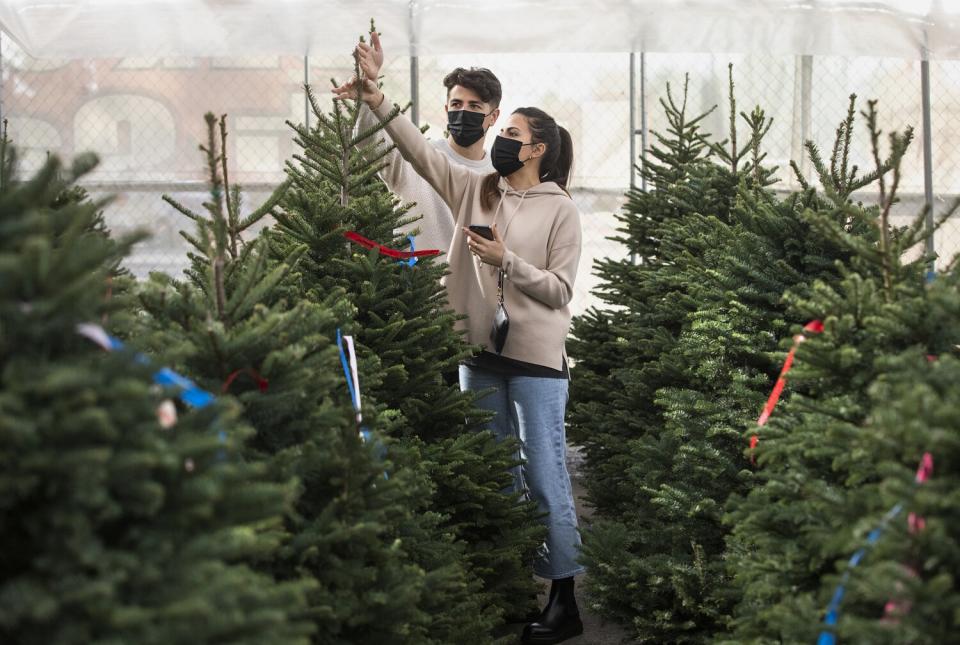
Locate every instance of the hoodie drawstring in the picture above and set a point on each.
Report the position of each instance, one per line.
(507, 221)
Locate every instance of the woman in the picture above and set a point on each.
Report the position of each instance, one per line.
(534, 254)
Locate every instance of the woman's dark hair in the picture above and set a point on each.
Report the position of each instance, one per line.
(480, 80)
(556, 164)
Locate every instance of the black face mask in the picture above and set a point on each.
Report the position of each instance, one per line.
(505, 155)
(465, 127)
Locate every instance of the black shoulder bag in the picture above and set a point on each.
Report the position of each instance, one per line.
(501, 321)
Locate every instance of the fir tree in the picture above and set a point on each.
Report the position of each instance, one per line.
(728, 258)
(232, 329)
(408, 349)
(114, 528)
(904, 589)
(831, 458)
(615, 377)
(676, 228)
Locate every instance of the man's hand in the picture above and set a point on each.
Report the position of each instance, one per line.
(489, 251)
(370, 60)
(370, 57)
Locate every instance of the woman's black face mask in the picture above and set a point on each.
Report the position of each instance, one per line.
(465, 127)
(505, 155)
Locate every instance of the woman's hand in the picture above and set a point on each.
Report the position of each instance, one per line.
(489, 251)
(368, 92)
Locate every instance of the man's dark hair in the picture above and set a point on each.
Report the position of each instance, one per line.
(477, 79)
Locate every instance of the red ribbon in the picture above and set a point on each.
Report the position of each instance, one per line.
(386, 250)
(262, 383)
(897, 608)
(925, 469)
(917, 523)
(814, 327)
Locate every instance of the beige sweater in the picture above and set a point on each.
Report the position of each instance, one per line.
(541, 231)
(435, 228)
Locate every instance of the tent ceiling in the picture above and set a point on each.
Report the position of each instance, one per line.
(104, 28)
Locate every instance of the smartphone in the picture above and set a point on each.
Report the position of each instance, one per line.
(482, 230)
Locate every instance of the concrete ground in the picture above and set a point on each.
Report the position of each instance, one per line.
(596, 630)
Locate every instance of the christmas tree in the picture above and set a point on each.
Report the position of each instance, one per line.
(647, 307)
(408, 348)
(674, 230)
(722, 267)
(836, 454)
(904, 589)
(125, 516)
(353, 531)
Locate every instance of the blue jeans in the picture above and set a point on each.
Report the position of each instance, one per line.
(531, 410)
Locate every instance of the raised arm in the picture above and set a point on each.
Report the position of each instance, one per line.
(449, 180)
(396, 172)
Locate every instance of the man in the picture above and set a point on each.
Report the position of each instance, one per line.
(472, 107)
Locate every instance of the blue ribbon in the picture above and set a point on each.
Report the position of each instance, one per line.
(413, 259)
(346, 372)
(833, 609)
(365, 434)
(189, 392)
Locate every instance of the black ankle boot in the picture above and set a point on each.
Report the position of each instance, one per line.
(559, 620)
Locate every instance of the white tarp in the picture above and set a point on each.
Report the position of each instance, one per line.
(106, 28)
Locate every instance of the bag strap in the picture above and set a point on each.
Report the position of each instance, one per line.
(500, 286)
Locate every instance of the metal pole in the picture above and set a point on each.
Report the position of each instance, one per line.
(927, 150)
(414, 90)
(643, 119)
(633, 121)
(1, 76)
(306, 81)
(414, 70)
(633, 127)
(806, 103)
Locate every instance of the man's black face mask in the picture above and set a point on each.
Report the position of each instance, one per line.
(465, 127)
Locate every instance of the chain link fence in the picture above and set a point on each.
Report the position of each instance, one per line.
(144, 117)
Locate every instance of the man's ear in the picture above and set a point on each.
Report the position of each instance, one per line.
(495, 115)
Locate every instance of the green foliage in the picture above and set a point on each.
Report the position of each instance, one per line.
(409, 348)
(647, 306)
(229, 326)
(669, 382)
(842, 450)
(112, 528)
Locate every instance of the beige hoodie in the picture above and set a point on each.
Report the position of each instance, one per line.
(435, 228)
(541, 232)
